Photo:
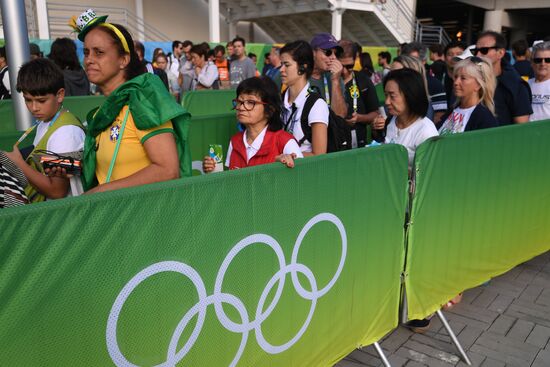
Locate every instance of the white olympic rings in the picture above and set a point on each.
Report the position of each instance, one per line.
(174, 356)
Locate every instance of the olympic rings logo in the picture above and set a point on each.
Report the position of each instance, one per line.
(174, 356)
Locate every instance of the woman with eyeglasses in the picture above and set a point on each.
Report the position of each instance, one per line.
(310, 131)
(540, 84)
(258, 107)
(474, 88)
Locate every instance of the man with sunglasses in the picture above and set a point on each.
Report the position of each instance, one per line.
(540, 85)
(512, 94)
(327, 72)
(360, 95)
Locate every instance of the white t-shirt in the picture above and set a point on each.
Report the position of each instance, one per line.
(412, 136)
(457, 121)
(292, 120)
(65, 139)
(251, 149)
(541, 100)
(6, 80)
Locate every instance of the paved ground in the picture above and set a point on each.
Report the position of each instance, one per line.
(504, 323)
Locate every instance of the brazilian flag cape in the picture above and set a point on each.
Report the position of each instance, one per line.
(151, 105)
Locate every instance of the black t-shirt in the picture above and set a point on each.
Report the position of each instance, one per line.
(367, 101)
(437, 69)
(524, 69)
(512, 96)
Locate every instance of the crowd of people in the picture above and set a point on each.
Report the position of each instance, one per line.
(310, 98)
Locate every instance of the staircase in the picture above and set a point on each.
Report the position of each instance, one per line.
(368, 22)
(430, 35)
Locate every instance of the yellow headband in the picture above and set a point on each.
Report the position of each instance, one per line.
(118, 34)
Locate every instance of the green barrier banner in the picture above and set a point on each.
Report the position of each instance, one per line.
(480, 208)
(208, 102)
(268, 265)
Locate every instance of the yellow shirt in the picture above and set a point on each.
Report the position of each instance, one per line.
(132, 156)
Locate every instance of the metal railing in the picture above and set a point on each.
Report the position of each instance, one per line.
(430, 35)
(59, 15)
(400, 16)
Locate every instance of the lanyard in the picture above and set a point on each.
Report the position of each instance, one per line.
(30, 129)
(115, 153)
(354, 92)
(327, 94)
(291, 119)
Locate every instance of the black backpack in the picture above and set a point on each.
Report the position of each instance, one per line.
(338, 134)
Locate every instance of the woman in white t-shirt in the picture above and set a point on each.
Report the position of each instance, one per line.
(474, 87)
(407, 103)
(296, 68)
(540, 85)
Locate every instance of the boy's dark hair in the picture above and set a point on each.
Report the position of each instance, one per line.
(63, 53)
(520, 47)
(40, 77)
(3, 52)
(252, 54)
(385, 55)
(219, 48)
(437, 49)
(411, 85)
(302, 53)
(187, 43)
(500, 41)
(239, 39)
(268, 92)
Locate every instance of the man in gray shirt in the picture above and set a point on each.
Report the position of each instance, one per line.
(241, 67)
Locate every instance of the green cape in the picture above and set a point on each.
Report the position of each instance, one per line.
(151, 105)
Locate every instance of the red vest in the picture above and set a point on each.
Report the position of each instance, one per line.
(273, 145)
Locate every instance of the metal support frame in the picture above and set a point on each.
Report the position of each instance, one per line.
(453, 337)
(381, 354)
(14, 21)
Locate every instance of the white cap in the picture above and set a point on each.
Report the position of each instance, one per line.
(465, 54)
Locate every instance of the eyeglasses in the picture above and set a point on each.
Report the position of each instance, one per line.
(349, 67)
(539, 60)
(483, 50)
(247, 104)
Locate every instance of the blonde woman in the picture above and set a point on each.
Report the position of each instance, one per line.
(474, 86)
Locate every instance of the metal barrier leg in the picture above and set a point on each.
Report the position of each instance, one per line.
(382, 355)
(453, 337)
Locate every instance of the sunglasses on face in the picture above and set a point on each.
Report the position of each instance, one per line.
(349, 66)
(329, 52)
(247, 104)
(483, 50)
(539, 60)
